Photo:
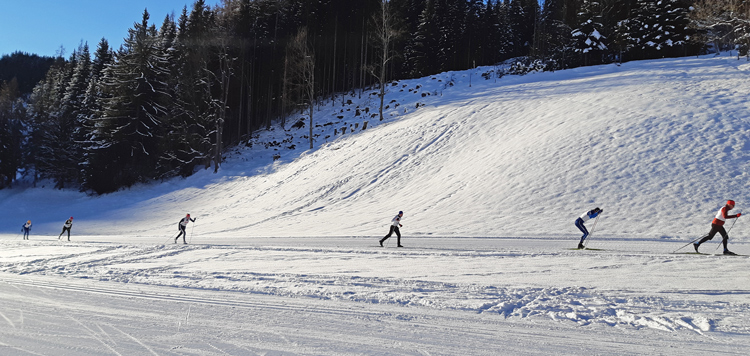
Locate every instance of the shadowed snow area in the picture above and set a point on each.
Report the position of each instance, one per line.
(491, 178)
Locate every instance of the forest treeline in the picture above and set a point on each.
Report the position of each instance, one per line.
(181, 89)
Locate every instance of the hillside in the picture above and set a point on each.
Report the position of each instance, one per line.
(660, 145)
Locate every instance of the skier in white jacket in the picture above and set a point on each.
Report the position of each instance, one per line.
(181, 226)
(395, 224)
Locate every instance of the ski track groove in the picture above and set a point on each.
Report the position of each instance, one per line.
(8, 320)
(2, 344)
(183, 299)
(93, 335)
(109, 337)
(217, 349)
(136, 340)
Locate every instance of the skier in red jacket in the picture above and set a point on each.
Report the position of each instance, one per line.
(717, 225)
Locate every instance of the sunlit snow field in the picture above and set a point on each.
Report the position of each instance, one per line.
(283, 257)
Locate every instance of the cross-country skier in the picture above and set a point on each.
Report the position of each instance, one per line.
(717, 225)
(181, 226)
(26, 228)
(395, 224)
(585, 217)
(68, 224)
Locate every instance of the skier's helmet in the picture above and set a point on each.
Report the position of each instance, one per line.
(730, 202)
(71, 218)
(400, 213)
(188, 215)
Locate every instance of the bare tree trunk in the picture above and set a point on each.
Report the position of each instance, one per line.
(302, 71)
(219, 148)
(385, 33)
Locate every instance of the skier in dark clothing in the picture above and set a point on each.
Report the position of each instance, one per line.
(68, 224)
(26, 228)
(395, 224)
(591, 214)
(181, 226)
(717, 225)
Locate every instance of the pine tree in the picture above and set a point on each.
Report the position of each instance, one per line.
(129, 130)
(52, 132)
(522, 15)
(676, 26)
(407, 13)
(554, 35)
(588, 38)
(451, 28)
(12, 117)
(189, 133)
(75, 113)
(102, 58)
(658, 27)
(94, 98)
(504, 31)
(419, 54)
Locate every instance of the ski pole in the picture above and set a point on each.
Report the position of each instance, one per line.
(686, 245)
(592, 231)
(172, 238)
(191, 232)
(733, 222)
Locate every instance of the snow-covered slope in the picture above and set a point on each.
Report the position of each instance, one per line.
(659, 145)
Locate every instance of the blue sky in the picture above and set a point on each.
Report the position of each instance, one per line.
(42, 26)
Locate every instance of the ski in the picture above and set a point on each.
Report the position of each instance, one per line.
(706, 254)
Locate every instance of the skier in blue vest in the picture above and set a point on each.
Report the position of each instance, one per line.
(591, 214)
(26, 228)
(395, 224)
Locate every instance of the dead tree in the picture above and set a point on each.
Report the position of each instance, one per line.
(386, 31)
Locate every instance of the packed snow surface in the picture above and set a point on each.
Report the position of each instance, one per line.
(491, 174)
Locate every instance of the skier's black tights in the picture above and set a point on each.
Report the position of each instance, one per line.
(64, 228)
(182, 233)
(398, 234)
(714, 229)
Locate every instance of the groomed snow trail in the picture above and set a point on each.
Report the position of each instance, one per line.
(438, 296)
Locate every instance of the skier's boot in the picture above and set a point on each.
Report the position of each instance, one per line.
(730, 253)
(696, 247)
(399, 246)
(381, 243)
(580, 246)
